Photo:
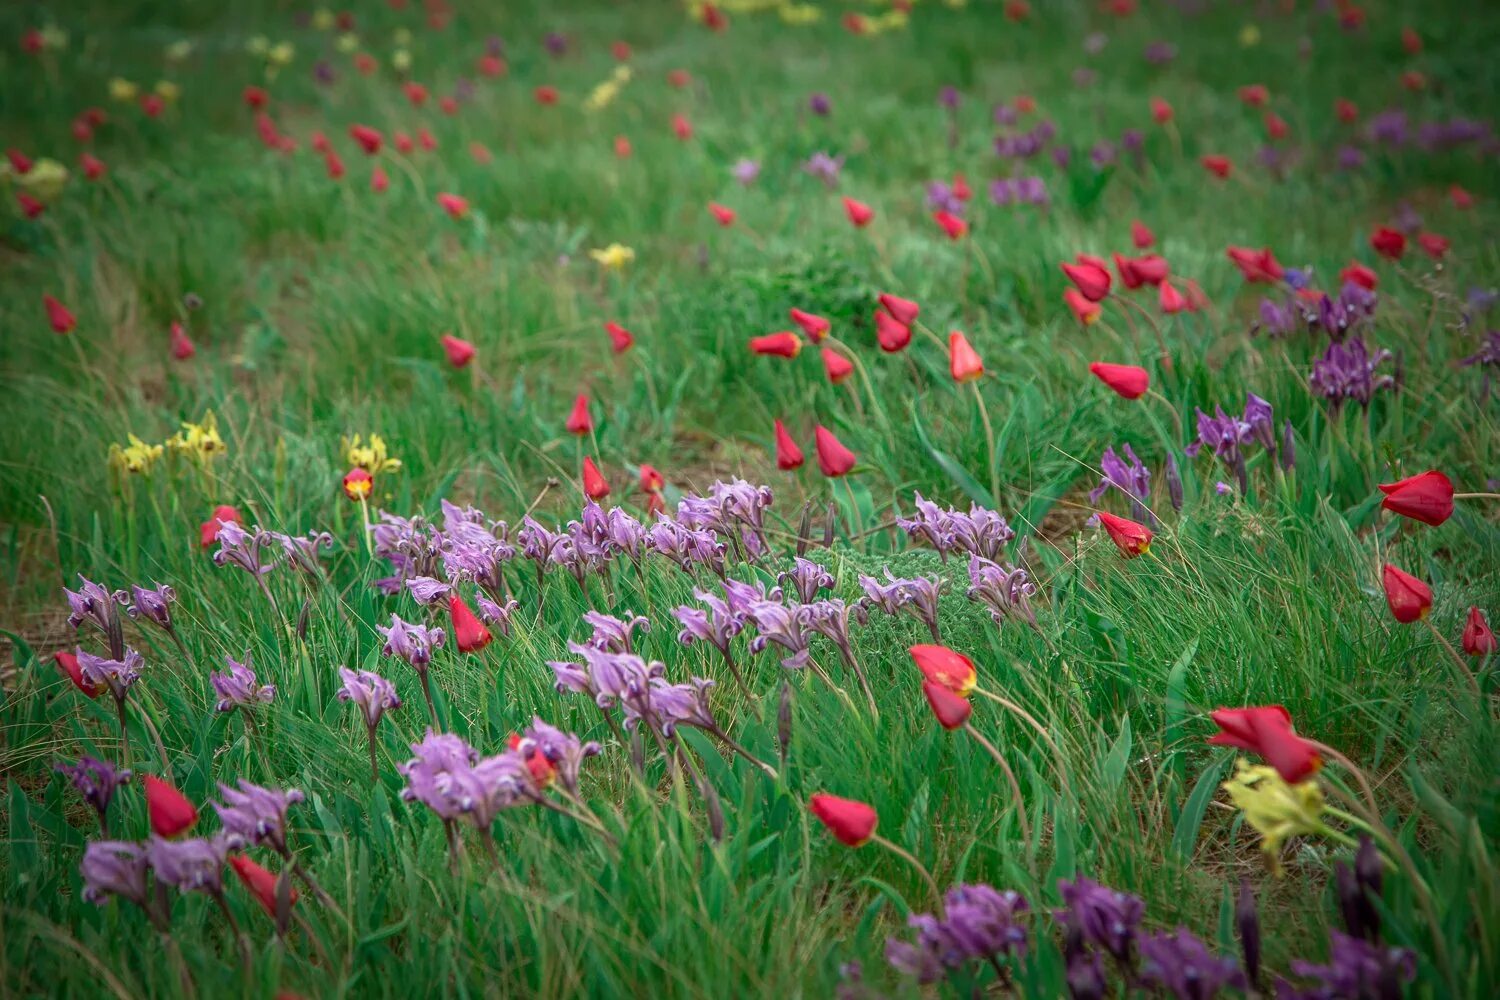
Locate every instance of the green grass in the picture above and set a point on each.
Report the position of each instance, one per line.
(323, 305)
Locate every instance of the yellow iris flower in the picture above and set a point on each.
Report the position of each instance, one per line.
(281, 53)
(370, 455)
(348, 42)
(613, 257)
(122, 90)
(168, 91)
(401, 60)
(44, 181)
(1276, 809)
(200, 441)
(135, 457)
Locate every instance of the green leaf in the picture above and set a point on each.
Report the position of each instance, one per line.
(1118, 758)
(955, 471)
(916, 818)
(1185, 836)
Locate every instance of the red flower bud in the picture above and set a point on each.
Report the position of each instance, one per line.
(1267, 731)
(1129, 381)
(946, 668)
(168, 809)
(1426, 497)
(1161, 111)
(580, 421)
(595, 487)
(460, 352)
(455, 206)
(1141, 236)
(358, 483)
(469, 633)
(1084, 311)
(1408, 597)
(950, 710)
(1130, 538)
(1216, 164)
(963, 363)
(816, 327)
(1360, 275)
(903, 311)
(1478, 638)
(1256, 265)
(260, 882)
(788, 455)
(852, 823)
(833, 458)
(1092, 280)
(723, 214)
(783, 344)
(836, 366)
(858, 212)
(369, 139)
(890, 333)
(952, 226)
(1388, 242)
(182, 344)
(620, 338)
(58, 316)
(68, 664)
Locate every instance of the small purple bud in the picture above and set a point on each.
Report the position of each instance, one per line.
(1174, 483)
(1248, 922)
(1288, 447)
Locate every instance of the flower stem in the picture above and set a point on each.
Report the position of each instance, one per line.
(989, 440)
(909, 858)
(374, 764)
(1458, 661)
(1010, 776)
(1346, 764)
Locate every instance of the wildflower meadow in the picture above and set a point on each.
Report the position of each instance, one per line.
(754, 498)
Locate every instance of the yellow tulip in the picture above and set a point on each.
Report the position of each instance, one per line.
(200, 441)
(401, 60)
(1275, 808)
(45, 180)
(122, 90)
(168, 91)
(371, 456)
(135, 457)
(613, 257)
(1249, 36)
(281, 53)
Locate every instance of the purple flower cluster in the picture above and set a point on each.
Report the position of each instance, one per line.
(96, 781)
(1095, 916)
(1027, 144)
(1019, 191)
(980, 532)
(1228, 436)
(238, 687)
(1005, 590)
(979, 924)
(118, 675)
(734, 511)
(1128, 475)
(1347, 372)
(371, 692)
(449, 777)
(412, 643)
(919, 595)
(806, 578)
(255, 814)
(825, 168)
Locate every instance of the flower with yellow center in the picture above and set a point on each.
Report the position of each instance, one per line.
(347, 42)
(258, 45)
(281, 54)
(179, 50)
(322, 19)
(45, 180)
(168, 91)
(370, 455)
(122, 90)
(200, 441)
(401, 60)
(135, 457)
(1275, 808)
(613, 257)
(800, 13)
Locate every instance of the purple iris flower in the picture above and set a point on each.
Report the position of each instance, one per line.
(194, 865)
(745, 171)
(91, 603)
(1105, 918)
(245, 549)
(625, 534)
(666, 706)
(96, 781)
(412, 643)
(238, 687)
(429, 774)
(940, 198)
(685, 546)
(1005, 590)
(1128, 475)
(1355, 968)
(302, 550)
(1182, 966)
(919, 595)
(119, 675)
(819, 105)
(948, 97)
(149, 604)
(257, 814)
(717, 625)
(427, 590)
(371, 692)
(564, 751)
(1277, 319)
(979, 924)
(1159, 53)
(1347, 371)
(1389, 128)
(556, 43)
(612, 634)
(806, 578)
(786, 627)
(495, 613)
(114, 868)
(1349, 158)
(825, 168)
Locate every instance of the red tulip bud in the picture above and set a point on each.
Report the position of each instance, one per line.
(595, 487)
(783, 344)
(469, 633)
(946, 668)
(1129, 381)
(788, 455)
(833, 458)
(836, 366)
(1130, 538)
(858, 212)
(1091, 280)
(260, 882)
(1426, 497)
(903, 311)
(460, 352)
(1141, 236)
(1408, 597)
(58, 315)
(1267, 731)
(851, 823)
(1478, 639)
(1388, 242)
(950, 710)
(816, 327)
(580, 421)
(963, 363)
(169, 810)
(182, 344)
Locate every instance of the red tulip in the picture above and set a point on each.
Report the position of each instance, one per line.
(723, 214)
(1462, 200)
(402, 142)
(833, 458)
(1346, 110)
(1141, 236)
(1276, 126)
(950, 710)
(1130, 538)
(1256, 265)
(1084, 311)
(82, 130)
(255, 98)
(851, 823)
(334, 165)
(816, 327)
(1092, 280)
(182, 344)
(1148, 269)
(1161, 111)
(892, 334)
(426, 140)
(1216, 164)
(19, 160)
(1360, 275)
(448, 105)
(365, 63)
(415, 93)
(1433, 245)
(836, 366)
(1255, 95)
(1478, 638)
(378, 180)
(1170, 299)
(952, 225)
(152, 105)
(469, 633)
(169, 810)
(30, 207)
(619, 337)
(1414, 80)
(1388, 242)
(651, 480)
(491, 66)
(580, 421)
(58, 315)
(595, 487)
(679, 78)
(1409, 598)
(460, 352)
(905, 311)
(1410, 40)
(1129, 381)
(455, 206)
(963, 363)
(788, 455)
(545, 94)
(208, 531)
(68, 664)
(1266, 730)
(1426, 497)
(960, 187)
(620, 50)
(622, 147)
(1017, 10)
(859, 213)
(358, 483)
(260, 882)
(946, 668)
(682, 128)
(655, 505)
(1195, 298)
(369, 139)
(783, 344)
(320, 144)
(92, 167)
